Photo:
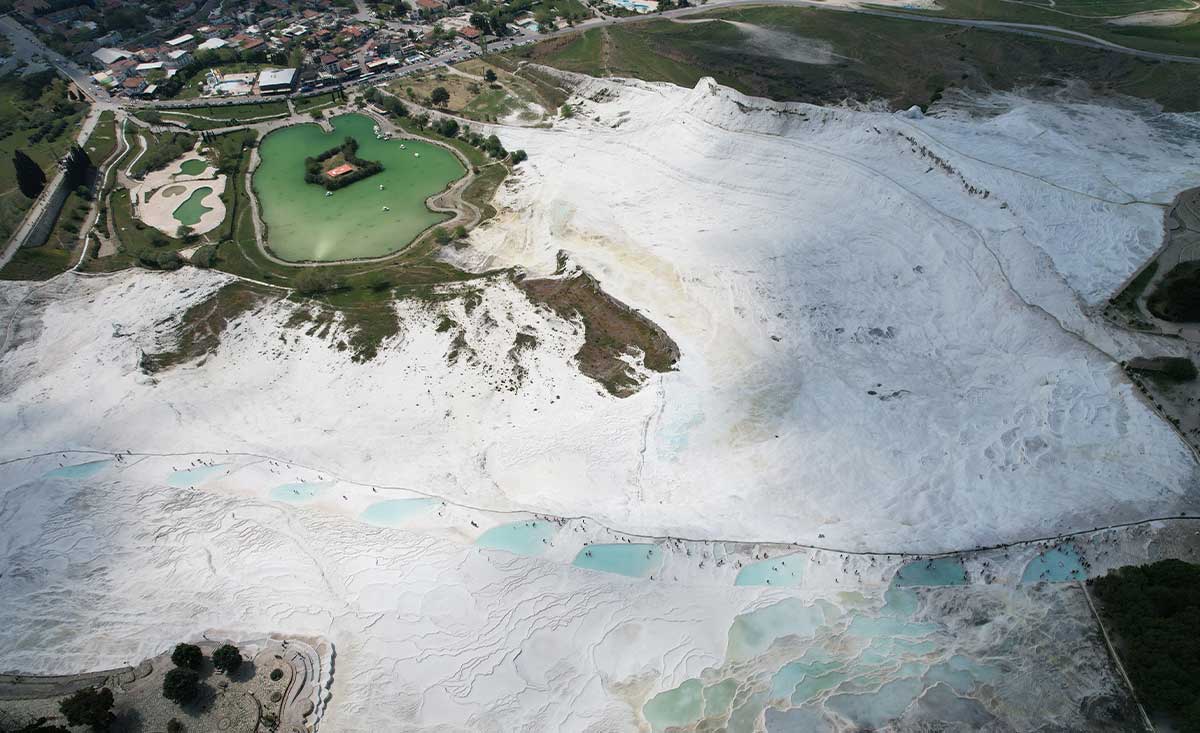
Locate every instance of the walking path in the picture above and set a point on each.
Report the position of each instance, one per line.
(1112, 653)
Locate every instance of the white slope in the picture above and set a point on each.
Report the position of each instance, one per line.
(433, 635)
(801, 257)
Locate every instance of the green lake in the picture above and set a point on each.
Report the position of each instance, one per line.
(190, 211)
(192, 167)
(305, 224)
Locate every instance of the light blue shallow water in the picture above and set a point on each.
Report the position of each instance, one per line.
(771, 572)
(1057, 566)
(530, 537)
(861, 664)
(394, 512)
(942, 571)
(79, 470)
(194, 476)
(297, 493)
(677, 707)
(634, 560)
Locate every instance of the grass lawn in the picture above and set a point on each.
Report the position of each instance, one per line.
(161, 148)
(237, 111)
(319, 101)
(36, 263)
(27, 109)
(103, 140)
(1086, 16)
(902, 62)
(1110, 8)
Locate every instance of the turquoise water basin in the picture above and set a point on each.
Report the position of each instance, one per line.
(942, 571)
(633, 560)
(395, 512)
(79, 470)
(529, 537)
(771, 572)
(1058, 565)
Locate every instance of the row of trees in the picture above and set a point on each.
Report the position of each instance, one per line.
(92, 706)
(446, 126)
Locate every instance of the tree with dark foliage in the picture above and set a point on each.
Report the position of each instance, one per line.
(90, 706)
(1155, 611)
(30, 177)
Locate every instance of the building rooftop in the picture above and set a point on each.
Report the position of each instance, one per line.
(276, 77)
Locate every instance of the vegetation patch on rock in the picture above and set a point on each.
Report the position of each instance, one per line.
(614, 333)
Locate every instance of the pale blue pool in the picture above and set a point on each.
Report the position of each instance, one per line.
(395, 512)
(192, 476)
(530, 537)
(675, 708)
(634, 560)
(79, 470)
(942, 571)
(1056, 566)
(771, 572)
(298, 493)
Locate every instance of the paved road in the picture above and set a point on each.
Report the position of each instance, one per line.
(28, 46)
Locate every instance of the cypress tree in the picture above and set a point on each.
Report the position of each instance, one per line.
(30, 178)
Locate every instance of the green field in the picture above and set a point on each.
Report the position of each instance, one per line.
(1085, 16)
(237, 111)
(1107, 8)
(103, 140)
(28, 108)
(320, 101)
(892, 59)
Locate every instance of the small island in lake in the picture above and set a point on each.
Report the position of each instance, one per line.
(340, 166)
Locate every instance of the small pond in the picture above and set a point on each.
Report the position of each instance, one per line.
(361, 219)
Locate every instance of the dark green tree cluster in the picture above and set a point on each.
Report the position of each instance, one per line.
(227, 658)
(91, 706)
(77, 168)
(393, 106)
(314, 170)
(187, 656)
(167, 149)
(31, 179)
(1177, 296)
(181, 685)
(1155, 611)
